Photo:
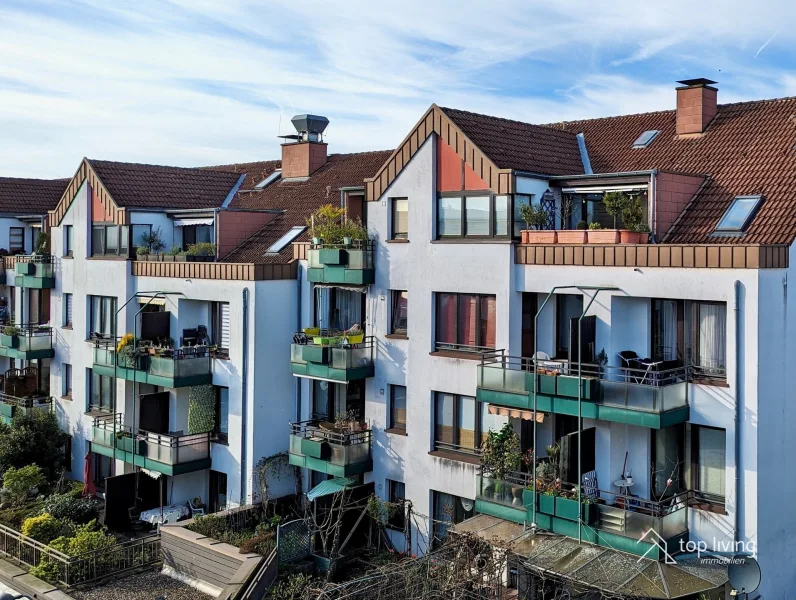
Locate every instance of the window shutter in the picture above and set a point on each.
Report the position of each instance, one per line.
(223, 318)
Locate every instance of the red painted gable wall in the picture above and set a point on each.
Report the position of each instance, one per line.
(453, 174)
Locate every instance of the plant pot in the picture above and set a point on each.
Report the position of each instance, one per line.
(603, 236)
(180, 258)
(533, 236)
(168, 258)
(571, 236)
(632, 237)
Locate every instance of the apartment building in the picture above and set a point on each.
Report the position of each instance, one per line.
(26, 340)
(169, 369)
(656, 372)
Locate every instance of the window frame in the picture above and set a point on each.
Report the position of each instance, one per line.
(68, 250)
(394, 233)
(458, 345)
(90, 397)
(463, 235)
(395, 295)
(218, 435)
(712, 500)
(719, 230)
(396, 520)
(13, 249)
(122, 231)
(394, 426)
(66, 380)
(692, 340)
(103, 307)
(455, 446)
(68, 307)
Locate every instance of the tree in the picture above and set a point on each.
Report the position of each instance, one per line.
(33, 439)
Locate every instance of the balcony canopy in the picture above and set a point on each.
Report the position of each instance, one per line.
(329, 487)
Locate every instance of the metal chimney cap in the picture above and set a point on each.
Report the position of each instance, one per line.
(310, 123)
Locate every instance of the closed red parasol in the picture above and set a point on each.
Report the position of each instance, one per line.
(88, 476)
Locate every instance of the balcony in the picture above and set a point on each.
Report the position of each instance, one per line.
(350, 264)
(182, 367)
(13, 405)
(327, 448)
(35, 271)
(644, 397)
(167, 454)
(332, 357)
(609, 519)
(26, 342)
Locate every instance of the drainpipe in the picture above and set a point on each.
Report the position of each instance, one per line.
(298, 328)
(738, 408)
(653, 193)
(243, 397)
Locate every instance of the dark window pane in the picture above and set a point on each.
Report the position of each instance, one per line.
(444, 431)
(112, 239)
(446, 319)
(466, 424)
(98, 240)
(449, 219)
(400, 218)
(398, 407)
(478, 215)
(487, 329)
(467, 320)
(399, 311)
(501, 215)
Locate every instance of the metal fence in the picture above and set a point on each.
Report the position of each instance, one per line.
(293, 541)
(85, 568)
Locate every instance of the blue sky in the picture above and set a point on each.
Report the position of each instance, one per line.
(202, 82)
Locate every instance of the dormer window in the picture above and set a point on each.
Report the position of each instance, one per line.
(645, 139)
(739, 214)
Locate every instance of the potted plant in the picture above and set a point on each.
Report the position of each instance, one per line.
(598, 235)
(153, 241)
(174, 254)
(201, 252)
(633, 217)
(536, 219)
(572, 236)
(326, 225)
(142, 253)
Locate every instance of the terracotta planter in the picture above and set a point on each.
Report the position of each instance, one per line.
(572, 236)
(532, 236)
(632, 237)
(603, 236)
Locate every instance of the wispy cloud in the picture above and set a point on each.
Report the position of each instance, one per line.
(194, 82)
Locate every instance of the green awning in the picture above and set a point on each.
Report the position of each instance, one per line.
(329, 487)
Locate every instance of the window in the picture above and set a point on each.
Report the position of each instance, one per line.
(287, 238)
(481, 215)
(102, 312)
(221, 431)
(196, 234)
(398, 408)
(400, 219)
(518, 222)
(707, 342)
(396, 494)
(400, 307)
(739, 214)
(449, 510)
(103, 468)
(457, 423)
(16, 240)
(465, 321)
(568, 307)
(708, 449)
(67, 309)
(109, 240)
(38, 306)
(140, 234)
(645, 139)
(101, 390)
(66, 380)
(67, 240)
(221, 326)
(668, 453)
(667, 330)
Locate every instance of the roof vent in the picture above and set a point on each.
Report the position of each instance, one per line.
(309, 128)
(645, 139)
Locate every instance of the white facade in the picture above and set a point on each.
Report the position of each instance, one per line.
(760, 379)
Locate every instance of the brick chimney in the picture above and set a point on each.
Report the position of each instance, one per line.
(696, 105)
(304, 152)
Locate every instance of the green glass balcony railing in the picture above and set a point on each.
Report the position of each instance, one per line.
(173, 368)
(26, 342)
(340, 263)
(35, 271)
(325, 447)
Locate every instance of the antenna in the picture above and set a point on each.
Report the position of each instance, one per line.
(744, 574)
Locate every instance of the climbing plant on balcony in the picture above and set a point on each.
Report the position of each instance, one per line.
(201, 409)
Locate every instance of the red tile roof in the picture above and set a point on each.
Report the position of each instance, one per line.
(298, 199)
(748, 148)
(30, 196)
(154, 186)
(255, 171)
(520, 146)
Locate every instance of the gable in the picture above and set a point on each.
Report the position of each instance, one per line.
(101, 201)
(482, 170)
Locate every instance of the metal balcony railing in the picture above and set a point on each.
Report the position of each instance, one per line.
(27, 337)
(346, 446)
(359, 254)
(171, 363)
(337, 349)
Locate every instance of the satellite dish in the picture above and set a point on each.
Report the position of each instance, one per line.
(744, 574)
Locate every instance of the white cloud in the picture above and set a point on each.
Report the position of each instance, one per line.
(205, 82)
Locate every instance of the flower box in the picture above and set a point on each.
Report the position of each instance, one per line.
(546, 384)
(547, 504)
(567, 385)
(532, 236)
(9, 341)
(603, 236)
(570, 509)
(572, 236)
(632, 237)
(331, 256)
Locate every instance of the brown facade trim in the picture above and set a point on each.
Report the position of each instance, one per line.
(221, 271)
(118, 215)
(696, 256)
(501, 181)
(300, 250)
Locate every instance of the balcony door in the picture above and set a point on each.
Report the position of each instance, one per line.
(338, 308)
(332, 399)
(529, 308)
(668, 324)
(154, 412)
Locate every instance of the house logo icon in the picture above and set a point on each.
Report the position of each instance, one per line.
(653, 537)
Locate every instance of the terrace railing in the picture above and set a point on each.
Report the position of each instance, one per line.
(174, 364)
(83, 568)
(347, 447)
(28, 337)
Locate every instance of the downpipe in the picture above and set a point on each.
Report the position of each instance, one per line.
(244, 410)
(738, 409)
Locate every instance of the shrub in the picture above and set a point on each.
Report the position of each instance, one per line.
(202, 249)
(581, 225)
(47, 569)
(142, 250)
(78, 510)
(20, 481)
(42, 243)
(88, 538)
(33, 439)
(153, 241)
(291, 587)
(174, 251)
(595, 225)
(261, 544)
(11, 330)
(534, 216)
(210, 526)
(45, 528)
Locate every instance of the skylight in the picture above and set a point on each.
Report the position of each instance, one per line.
(645, 139)
(740, 213)
(282, 242)
(268, 179)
